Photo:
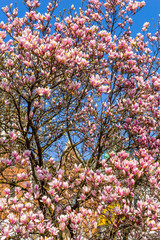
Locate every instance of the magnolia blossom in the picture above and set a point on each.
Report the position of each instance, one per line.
(13, 135)
(46, 92)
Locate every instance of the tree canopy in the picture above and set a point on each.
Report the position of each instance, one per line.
(80, 114)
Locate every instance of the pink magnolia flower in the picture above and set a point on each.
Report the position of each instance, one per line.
(28, 205)
(13, 135)
(126, 209)
(65, 185)
(54, 231)
(62, 226)
(46, 92)
(14, 154)
(5, 9)
(26, 153)
(12, 218)
(41, 228)
(63, 218)
(7, 191)
(21, 176)
(24, 219)
(6, 232)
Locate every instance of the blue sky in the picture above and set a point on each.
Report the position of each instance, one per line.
(147, 14)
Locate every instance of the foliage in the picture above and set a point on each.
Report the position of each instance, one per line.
(80, 114)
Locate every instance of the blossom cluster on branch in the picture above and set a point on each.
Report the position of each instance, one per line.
(79, 124)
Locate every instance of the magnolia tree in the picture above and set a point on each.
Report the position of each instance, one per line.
(80, 121)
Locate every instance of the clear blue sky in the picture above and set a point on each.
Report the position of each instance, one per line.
(147, 14)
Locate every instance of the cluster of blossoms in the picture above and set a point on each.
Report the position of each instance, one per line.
(116, 182)
(93, 85)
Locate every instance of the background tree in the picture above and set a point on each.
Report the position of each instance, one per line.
(92, 85)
